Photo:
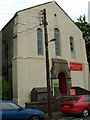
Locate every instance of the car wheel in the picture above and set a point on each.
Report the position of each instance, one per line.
(85, 112)
(35, 117)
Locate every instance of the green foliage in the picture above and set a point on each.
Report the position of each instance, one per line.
(85, 28)
(4, 87)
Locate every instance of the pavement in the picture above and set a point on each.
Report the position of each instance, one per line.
(55, 115)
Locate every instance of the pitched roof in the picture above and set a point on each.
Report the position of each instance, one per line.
(41, 5)
(40, 89)
(45, 4)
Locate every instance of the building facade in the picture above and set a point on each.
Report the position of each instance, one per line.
(89, 11)
(24, 52)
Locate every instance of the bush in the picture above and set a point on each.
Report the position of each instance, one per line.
(4, 88)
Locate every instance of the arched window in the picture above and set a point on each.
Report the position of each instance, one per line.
(57, 42)
(72, 47)
(40, 41)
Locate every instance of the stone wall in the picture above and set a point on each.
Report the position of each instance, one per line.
(43, 106)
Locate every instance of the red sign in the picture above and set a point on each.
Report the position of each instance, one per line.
(75, 66)
(72, 92)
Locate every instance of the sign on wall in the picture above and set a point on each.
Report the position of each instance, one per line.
(72, 92)
(55, 82)
(74, 66)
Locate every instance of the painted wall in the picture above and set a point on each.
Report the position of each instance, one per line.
(29, 68)
(89, 11)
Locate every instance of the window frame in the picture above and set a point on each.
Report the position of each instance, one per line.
(57, 42)
(72, 47)
(39, 41)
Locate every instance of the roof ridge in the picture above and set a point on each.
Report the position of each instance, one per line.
(53, 1)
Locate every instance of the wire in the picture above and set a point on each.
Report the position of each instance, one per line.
(8, 5)
(28, 29)
(7, 13)
(9, 8)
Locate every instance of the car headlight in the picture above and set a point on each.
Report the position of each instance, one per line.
(42, 113)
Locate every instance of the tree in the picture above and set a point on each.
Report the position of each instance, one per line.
(4, 87)
(85, 28)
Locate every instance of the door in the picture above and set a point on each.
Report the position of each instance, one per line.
(62, 83)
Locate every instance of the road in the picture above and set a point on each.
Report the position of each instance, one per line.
(64, 117)
(73, 118)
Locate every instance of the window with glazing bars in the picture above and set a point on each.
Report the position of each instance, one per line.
(57, 41)
(40, 41)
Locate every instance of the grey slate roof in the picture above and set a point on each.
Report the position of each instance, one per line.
(41, 89)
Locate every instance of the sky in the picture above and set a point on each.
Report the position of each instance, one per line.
(74, 8)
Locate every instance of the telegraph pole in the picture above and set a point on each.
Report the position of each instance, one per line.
(47, 64)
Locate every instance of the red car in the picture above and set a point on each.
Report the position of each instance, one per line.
(76, 105)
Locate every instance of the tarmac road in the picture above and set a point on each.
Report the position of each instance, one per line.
(69, 118)
(60, 116)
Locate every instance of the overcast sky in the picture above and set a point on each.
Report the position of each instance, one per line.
(74, 8)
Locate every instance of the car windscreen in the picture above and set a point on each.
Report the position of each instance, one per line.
(71, 99)
(9, 106)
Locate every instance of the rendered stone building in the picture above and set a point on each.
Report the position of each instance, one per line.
(24, 52)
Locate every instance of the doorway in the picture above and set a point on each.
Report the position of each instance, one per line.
(62, 83)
